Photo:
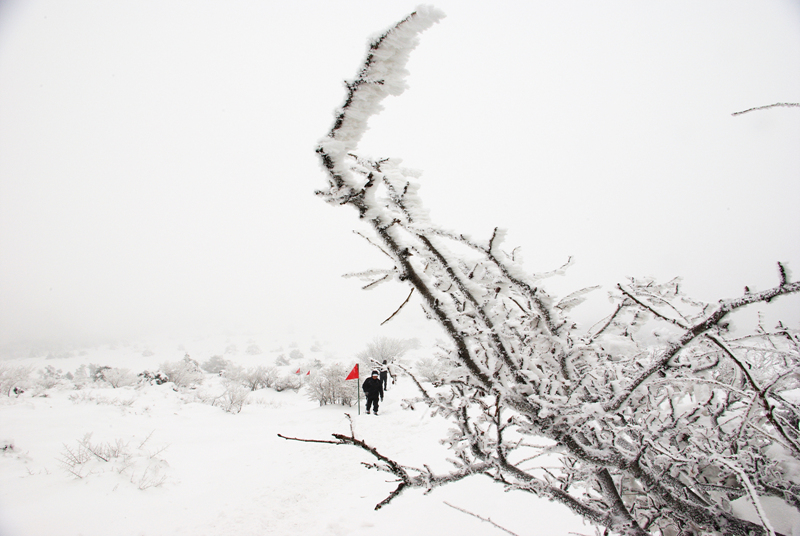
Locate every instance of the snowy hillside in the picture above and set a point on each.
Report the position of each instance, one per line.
(178, 465)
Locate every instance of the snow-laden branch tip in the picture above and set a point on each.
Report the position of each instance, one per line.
(776, 105)
(383, 73)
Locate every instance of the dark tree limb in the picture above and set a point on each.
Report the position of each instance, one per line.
(623, 520)
(401, 306)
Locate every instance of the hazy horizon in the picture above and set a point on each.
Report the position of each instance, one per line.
(157, 165)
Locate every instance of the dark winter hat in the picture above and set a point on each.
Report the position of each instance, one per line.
(374, 372)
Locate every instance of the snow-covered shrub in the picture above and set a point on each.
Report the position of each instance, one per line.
(142, 467)
(328, 386)
(98, 372)
(82, 376)
(12, 378)
(233, 398)
(295, 354)
(153, 378)
(232, 371)
(253, 349)
(185, 373)
(215, 364)
(288, 381)
(281, 360)
(432, 369)
(90, 373)
(259, 377)
(118, 377)
(50, 377)
(385, 349)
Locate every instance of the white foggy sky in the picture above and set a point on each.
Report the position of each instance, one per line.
(157, 162)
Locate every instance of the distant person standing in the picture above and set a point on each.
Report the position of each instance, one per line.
(385, 373)
(373, 389)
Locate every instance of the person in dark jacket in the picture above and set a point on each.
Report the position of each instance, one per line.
(373, 389)
(385, 373)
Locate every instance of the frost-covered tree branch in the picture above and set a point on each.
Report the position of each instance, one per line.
(776, 105)
(654, 421)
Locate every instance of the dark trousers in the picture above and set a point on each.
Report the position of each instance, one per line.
(372, 402)
(384, 378)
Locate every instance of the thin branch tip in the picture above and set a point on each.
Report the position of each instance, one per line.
(776, 105)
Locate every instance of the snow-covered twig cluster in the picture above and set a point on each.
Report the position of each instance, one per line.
(144, 467)
(657, 418)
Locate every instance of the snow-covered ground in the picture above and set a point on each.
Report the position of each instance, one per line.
(177, 465)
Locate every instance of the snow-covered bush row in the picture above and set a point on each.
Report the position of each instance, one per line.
(219, 382)
(17, 379)
(228, 383)
(91, 373)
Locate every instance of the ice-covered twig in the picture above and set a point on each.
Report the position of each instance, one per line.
(776, 105)
(751, 492)
(762, 395)
(723, 309)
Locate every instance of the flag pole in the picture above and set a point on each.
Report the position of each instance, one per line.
(355, 374)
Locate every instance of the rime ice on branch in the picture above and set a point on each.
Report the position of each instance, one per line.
(658, 417)
(382, 74)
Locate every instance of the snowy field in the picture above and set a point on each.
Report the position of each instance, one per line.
(178, 465)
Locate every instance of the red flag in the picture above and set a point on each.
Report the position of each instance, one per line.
(298, 371)
(353, 374)
(308, 373)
